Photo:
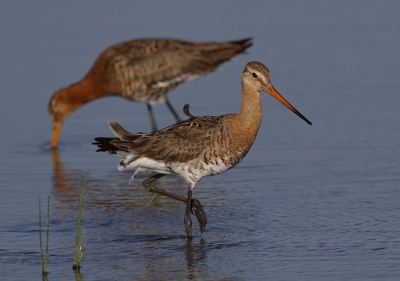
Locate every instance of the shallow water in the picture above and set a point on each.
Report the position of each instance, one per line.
(306, 203)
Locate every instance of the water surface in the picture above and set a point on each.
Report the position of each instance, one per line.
(316, 202)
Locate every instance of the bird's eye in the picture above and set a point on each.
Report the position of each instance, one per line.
(254, 75)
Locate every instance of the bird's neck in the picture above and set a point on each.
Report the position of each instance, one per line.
(250, 111)
(243, 127)
(87, 90)
(83, 91)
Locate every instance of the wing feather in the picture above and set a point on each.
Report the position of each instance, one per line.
(181, 142)
(164, 63)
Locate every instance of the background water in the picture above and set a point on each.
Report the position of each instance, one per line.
(318, 202)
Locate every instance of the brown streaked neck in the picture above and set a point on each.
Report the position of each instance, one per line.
(246, 123)
(250, 110)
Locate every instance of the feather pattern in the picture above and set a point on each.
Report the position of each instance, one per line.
(142, 70)
(199, 146)
(145, 69)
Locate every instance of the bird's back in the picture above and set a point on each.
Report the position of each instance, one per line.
(145, 69)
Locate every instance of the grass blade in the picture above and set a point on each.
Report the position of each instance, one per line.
(47, 231)
(40, 234)
(44, 261)
(79, 246)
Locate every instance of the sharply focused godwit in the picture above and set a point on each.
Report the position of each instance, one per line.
(199, 146)
(144, 71)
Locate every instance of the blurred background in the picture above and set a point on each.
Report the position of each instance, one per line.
(318, 201)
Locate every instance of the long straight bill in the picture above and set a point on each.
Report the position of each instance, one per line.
(55, 134)
(271, 90)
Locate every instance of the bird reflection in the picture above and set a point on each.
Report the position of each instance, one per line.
(128, 217)
(78, 276)
(194, 254)
(65, 182)
(113, 193)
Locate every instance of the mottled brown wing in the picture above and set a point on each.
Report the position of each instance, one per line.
(181, 142)
(169, 68)
(166, 63)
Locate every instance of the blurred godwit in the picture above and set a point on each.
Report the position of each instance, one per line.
(142, 70)
(199, 146)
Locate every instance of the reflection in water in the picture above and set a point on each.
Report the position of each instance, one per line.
(194, 254)
(167, 260)
(141, 240)
(64, 182)
(113, 193)
(78, 275)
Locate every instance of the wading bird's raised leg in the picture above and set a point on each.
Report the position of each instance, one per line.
(153, 121)
(192, 205)
(173, 111)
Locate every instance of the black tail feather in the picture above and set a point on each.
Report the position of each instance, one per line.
(245, 43)
(104, 144)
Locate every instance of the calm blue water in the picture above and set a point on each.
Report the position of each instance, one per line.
(307, 203)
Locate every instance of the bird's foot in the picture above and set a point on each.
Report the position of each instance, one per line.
(198, 211)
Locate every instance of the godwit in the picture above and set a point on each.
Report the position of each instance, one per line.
(142, 70)
(199, 146)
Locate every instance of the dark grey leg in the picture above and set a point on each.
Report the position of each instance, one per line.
(147, 185)
(173, 111)
(192, 205)
(187, 221)
(152, 120)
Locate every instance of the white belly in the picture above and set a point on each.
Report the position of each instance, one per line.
(192, 171)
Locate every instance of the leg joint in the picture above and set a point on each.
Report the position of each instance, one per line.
(147, 184)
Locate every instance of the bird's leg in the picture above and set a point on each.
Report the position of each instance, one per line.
(187, 221)
(147, 185)
(152, 119)
(172, 110)
(194, 206)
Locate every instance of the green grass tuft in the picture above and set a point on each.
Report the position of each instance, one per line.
(79, 246)
(44, 260)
